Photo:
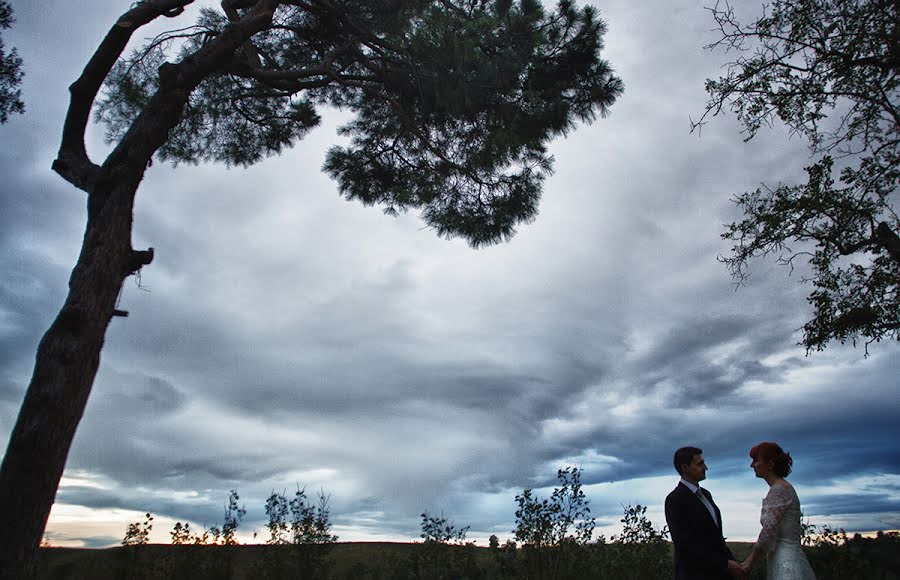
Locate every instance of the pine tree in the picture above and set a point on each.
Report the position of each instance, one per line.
(455, 102)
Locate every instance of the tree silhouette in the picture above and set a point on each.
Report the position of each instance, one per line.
(455, 102)
(10, 71)
(548, 528)
(828, 70)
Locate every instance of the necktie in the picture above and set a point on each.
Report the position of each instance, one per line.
(706, 503)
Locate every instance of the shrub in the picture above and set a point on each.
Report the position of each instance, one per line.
(640, 551)
(309, 524)
(233, 517)
(553, 531)
(138, 533)
(438, 529)
(181, 533)
(834, 555)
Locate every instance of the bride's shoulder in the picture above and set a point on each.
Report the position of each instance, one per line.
(781, 489)
(786, 485)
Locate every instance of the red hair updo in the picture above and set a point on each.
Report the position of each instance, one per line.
(768, 451)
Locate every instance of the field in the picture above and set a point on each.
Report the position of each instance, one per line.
(877, 559)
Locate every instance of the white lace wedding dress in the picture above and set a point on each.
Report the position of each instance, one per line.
(780, 536)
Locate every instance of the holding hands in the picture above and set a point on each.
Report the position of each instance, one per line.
(738, 570)
(747, 564)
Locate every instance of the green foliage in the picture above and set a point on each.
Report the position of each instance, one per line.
(827, 69)
(138, 533)
(311, 524)
(466, 140)
(233, 517)
(834, 554)
(876, 557)
(440, 561)
(308, 524)
(10, 71)
(455, 101)
(638, 529)
(563, 517)
(445, 555)
(277, 510)
(555, 530)
(300, 533)
(556, 533)
(640, 547)
(439, 529)
(181, 534)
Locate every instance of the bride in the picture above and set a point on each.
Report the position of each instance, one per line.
(780, 519)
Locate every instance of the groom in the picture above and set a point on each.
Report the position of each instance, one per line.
(696, 524)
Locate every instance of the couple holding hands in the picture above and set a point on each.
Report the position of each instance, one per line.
(696, 523)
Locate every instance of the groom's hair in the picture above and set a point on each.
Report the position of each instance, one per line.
(684, 456)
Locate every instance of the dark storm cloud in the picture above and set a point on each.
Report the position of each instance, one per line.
(686, 357)
(352, 393)
(150, 396)
(90, 497)
(818, 433)
(207, 510)
(851, 504)
(134, 433)
(32, 274)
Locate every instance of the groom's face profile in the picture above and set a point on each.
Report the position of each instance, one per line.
(695, 471)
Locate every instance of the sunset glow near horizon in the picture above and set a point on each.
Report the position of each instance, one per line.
(283, 336)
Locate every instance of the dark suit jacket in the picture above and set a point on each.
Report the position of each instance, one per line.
(700, 550)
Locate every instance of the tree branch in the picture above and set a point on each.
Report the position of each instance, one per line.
(230, 7)
(888, 240)
(72, 162)
(150, 129)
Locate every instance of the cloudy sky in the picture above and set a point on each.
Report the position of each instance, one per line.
(283, 336)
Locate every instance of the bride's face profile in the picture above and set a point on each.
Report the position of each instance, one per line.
(761, 467)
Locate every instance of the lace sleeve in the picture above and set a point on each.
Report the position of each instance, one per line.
(774, 506)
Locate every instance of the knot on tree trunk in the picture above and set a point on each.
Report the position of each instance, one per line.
(139, 259)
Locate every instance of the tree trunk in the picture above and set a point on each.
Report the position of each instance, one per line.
(65, 366)
(69, 353)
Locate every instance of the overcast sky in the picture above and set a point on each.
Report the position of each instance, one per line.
(284, 336)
